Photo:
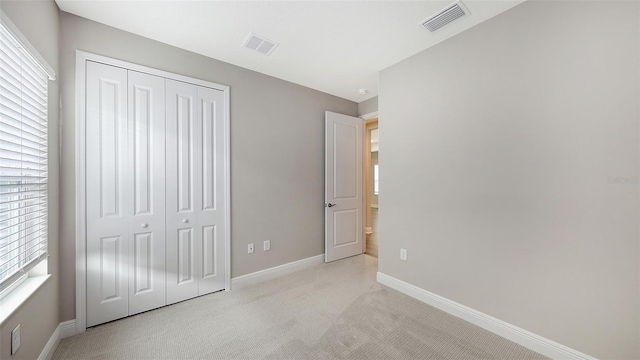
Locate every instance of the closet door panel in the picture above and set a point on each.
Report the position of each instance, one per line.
(147, 270)
(108, 196)
(211, 215)
(183, 173)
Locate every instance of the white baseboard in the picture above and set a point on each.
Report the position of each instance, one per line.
(275, 272)
(520, 336)
(67, 328)
(52, 344)
(63, 330)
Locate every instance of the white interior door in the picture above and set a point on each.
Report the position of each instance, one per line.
(183, 239)
(211, 221)
(147, 269)
(155, 161)
(108, 193)
(343, 186)
(195, 191)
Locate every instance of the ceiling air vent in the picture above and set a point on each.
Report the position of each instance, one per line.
(260, 44)
(444, 17)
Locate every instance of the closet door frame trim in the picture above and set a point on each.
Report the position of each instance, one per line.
(80, 161)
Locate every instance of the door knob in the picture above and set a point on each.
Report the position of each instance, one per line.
(185, 221)
(331, 205)
(144, 225)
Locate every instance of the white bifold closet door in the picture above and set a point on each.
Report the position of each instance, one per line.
(125, 192)
(147, 269)
(156, 179)
(108, 195)
(195, 182)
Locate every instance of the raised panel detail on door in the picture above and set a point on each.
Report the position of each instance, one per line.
(344, 233)
(184, 151)
(211, 218)
(209, 154)
(183, 154)
(147, 288)
(345, 161)
(142, 149)
(110, 268)
(142, 263)
(108, 195)
(209, 242)
(185, 256)
(109, 137)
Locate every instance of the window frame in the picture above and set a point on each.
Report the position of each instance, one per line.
(17, 287)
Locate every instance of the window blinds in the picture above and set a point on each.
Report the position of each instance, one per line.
(23, 160)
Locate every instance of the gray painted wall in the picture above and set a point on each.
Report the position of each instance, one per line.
(368, 106)
(277, 149)
(501, 146)
(39, 315)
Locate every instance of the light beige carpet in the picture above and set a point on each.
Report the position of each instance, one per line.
(330, 311)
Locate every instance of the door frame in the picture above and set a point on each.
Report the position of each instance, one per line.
(369, 125)
(80, 160)
(366, 164)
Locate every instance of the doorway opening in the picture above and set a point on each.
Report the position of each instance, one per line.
(372, 139)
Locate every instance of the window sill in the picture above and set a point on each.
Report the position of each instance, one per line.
(12, 301)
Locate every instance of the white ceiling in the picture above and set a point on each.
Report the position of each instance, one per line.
(337, 47)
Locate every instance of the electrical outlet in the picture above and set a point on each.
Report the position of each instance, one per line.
(15, 339)
(403, 254)
(267, 245)
(250, 249)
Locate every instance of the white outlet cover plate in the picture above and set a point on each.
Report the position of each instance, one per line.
(267, 245)
(250, 249)
(15, 339)
(403, 254)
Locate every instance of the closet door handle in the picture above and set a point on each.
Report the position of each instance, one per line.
(185, 221)
(144, 225)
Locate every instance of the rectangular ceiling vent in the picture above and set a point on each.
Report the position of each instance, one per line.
(448, 15)
(260, 44)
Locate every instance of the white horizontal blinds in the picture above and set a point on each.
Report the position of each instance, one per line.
(23, 160)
